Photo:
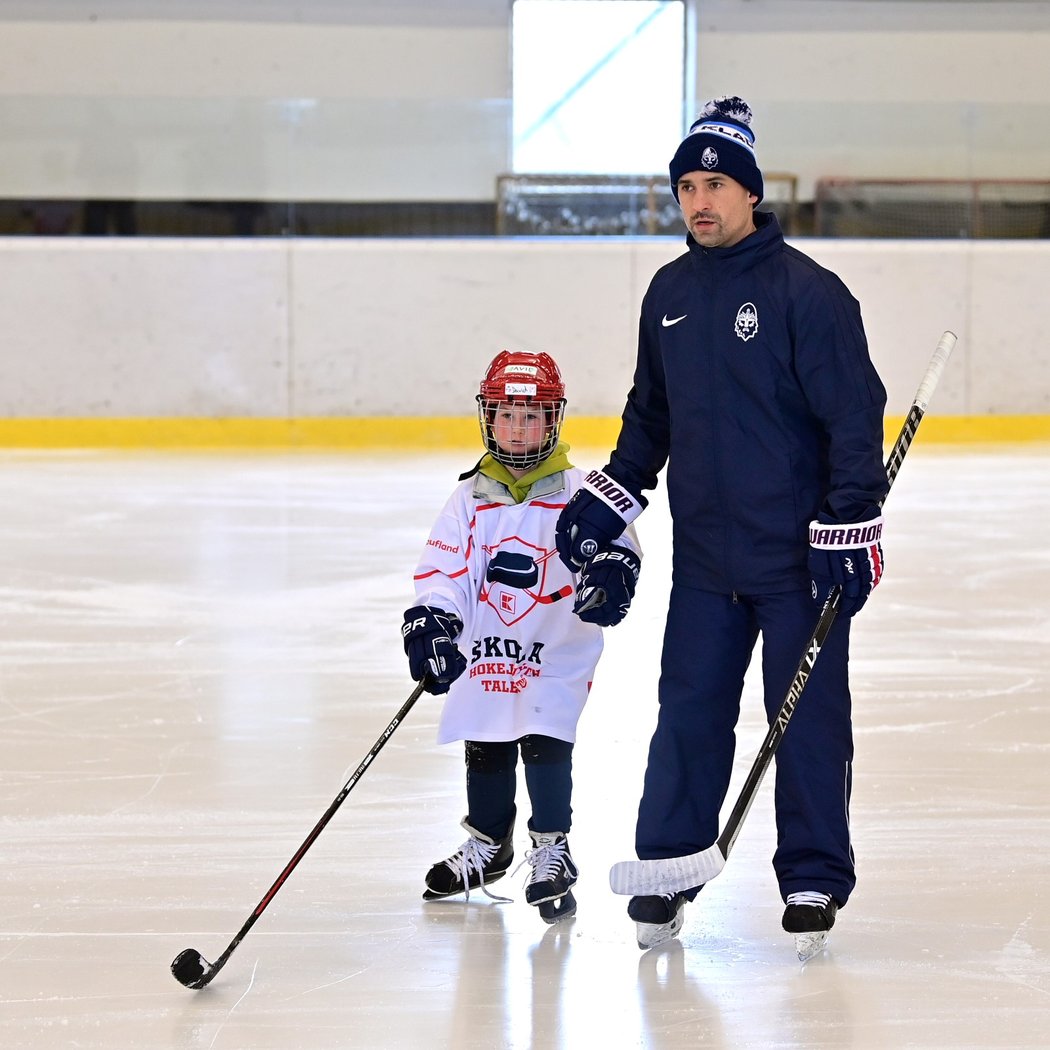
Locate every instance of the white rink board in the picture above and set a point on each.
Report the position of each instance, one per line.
(300, 328)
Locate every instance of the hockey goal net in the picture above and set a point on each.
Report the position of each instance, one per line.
(932, 208)
(624, 205)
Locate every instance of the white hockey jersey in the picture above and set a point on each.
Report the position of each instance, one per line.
(530, 659)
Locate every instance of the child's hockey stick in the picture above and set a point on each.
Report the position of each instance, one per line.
(190, 967)
(650, 877)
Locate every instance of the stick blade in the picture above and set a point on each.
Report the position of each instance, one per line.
(191, 969)
(645, 878)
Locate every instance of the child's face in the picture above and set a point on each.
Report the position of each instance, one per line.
(519, 428)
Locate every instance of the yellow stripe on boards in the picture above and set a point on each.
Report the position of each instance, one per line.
(410, 433)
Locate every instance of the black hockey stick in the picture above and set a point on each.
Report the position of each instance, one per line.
(651, 877)
(190, 968)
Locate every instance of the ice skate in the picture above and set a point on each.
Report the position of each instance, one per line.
(479, 861)
(657, 919)
(553, 874)
(809, 916)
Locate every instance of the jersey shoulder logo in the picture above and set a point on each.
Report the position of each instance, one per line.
(746, 324)
(667, 322)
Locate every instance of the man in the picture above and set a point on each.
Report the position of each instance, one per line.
(753, 381)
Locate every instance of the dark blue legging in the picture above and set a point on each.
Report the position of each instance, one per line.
(708, 643)
(492, 780)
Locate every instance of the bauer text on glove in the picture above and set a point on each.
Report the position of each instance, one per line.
(430, 646)
(849, 555)
(606, 586)
(595, 516)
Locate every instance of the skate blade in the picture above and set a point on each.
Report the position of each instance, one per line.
(559, 908)
(652, 934)
(808, 945)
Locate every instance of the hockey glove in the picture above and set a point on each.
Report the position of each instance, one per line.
(430, 646)
(606, 586)
(595, 516)
(847, 555)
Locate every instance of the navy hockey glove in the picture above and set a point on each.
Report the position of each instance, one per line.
(847, 555)
(595, 516)
(429, 635)
(606, 586)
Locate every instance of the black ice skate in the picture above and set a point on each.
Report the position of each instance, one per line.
(657, 919)
(809, 916)
(553, 875)
(480, 860)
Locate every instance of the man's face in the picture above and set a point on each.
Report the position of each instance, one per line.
(717, 210)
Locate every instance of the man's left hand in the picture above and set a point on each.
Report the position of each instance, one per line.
(849, 555)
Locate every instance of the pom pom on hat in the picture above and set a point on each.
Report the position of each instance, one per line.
(721, 140)
(728, 107)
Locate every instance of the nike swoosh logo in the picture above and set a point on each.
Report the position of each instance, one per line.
(674, 320)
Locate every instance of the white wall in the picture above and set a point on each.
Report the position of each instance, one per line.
(378, 109)
(886, 88)
(297, 328)
(366, 100)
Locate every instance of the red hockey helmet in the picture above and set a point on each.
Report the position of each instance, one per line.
(517, 377)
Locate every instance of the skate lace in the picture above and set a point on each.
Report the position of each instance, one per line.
(471, 857)
(811, 897)
(546, 862)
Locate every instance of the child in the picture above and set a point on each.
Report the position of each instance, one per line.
(491, 581)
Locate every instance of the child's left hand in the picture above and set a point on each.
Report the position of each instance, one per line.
(606, 586)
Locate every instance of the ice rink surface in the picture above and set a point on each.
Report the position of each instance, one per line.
(197, 650)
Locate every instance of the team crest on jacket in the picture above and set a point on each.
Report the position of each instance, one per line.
(746, 324)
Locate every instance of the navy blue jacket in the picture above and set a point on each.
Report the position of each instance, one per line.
(755, 386)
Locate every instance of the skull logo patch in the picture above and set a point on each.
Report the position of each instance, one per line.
(746, 324)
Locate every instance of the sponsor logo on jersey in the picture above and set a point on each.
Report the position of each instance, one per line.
(746, 323)
(666, 322)
(492, 647)
(505, 665)
(442, 546)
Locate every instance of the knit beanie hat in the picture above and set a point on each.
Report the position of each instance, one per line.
(720, 139)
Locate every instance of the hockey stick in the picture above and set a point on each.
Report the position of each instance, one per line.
(651, 877)
(554, 596)
(189, 967)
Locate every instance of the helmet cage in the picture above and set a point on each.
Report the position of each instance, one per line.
(518, 378)
(553, 413)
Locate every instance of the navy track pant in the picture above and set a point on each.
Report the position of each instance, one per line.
(708, 642)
